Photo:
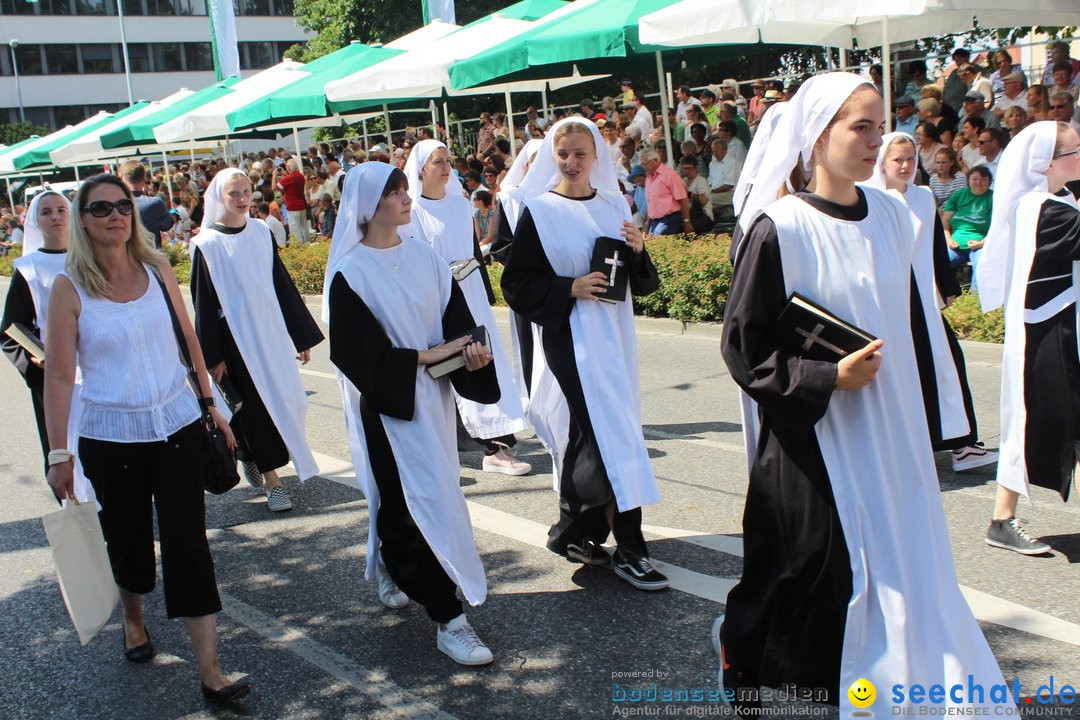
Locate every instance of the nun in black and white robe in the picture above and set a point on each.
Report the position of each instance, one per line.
(27, 303)
(446, 224)
(249, 315)
(383, 306)
(532, 374)
(950, 411)
(848, 571)
(1034, 250)
(590, 348)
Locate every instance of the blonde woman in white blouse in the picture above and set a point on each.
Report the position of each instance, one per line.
(141, 442)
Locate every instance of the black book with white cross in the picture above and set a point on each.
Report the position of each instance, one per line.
(612, 257)
(812, 332)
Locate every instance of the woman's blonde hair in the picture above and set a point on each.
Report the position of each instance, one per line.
(81, 263)
(572, 127)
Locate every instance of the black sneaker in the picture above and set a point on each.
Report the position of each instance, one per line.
(1010, 535)
(638, 571)
(588, 552)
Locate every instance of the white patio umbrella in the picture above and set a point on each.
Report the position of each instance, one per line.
(843, 23)
(211, 120)
(88, 147)
(425, 71)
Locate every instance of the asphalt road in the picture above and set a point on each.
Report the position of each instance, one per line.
(309, 633)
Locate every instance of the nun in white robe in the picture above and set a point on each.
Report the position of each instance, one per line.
(1033, 249)
(383, 305)
(237, 283)
(848, 571)
(950, 412)
(27, 303)
(531, 373)
(590, 348)
(446, 224)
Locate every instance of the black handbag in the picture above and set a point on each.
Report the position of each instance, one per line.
(221, 475)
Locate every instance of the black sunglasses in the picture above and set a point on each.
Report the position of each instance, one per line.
(1067, 153)
(1058, 107)
(104, 208)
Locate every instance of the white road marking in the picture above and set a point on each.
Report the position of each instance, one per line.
(986, 607)
(318, 374)
(396, 701)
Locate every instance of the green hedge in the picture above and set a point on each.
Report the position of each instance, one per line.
(971, 323)
(694, 279)
(6, 268)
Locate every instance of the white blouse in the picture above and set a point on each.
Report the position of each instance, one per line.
(134, 385)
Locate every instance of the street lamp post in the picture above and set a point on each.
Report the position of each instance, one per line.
(124, 51)
(18, 86)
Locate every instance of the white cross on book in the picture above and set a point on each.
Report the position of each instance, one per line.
(615, 264)
(815, 337)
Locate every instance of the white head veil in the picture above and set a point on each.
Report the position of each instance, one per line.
(756, 153)
(360, 197)
(33, 237)
(544, 174)
(877, 180)
(1021, 169)
(516, 174)
(418, 158)
(214, 197)
(792, 143)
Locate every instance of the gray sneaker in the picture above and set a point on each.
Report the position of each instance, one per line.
(251, 473)
(1010, 535)
(278, 500)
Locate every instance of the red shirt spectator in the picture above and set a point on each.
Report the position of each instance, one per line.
(292, 185)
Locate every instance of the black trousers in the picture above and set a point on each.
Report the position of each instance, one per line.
(133, 479)
(408, 558)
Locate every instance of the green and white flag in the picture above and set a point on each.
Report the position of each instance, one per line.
(438, 10)
(223, 38)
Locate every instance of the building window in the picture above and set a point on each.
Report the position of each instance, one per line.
(39, 116)
(56, 7)
(191, 7)
(139, 55)
(28, 58)
(199, 56)
(167, 57)
(17, 7)
(253, 7)
(93, 7)
(257, 55)
(134, 7)
(160, 7)
(98, 59)
(284, 8)
(69, 114)
(61, 59)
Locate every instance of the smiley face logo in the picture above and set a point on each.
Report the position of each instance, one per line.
(862, 693)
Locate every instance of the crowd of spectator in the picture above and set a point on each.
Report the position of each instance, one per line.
(961, 121)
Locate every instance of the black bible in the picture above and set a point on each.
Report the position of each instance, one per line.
(812, 332)
(443, 367)
(612, 258)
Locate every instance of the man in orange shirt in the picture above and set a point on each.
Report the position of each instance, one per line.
(665, 197)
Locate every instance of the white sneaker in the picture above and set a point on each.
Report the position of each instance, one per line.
(506, 462)
(461, 643)
(389, 593)
(972, 456)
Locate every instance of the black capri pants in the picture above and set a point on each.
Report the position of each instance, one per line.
(133, 479)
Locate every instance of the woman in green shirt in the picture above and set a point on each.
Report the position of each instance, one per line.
(966, 219)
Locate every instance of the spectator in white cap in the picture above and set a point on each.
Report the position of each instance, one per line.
(1013, 95)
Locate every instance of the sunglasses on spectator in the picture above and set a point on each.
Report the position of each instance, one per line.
(1067, 153)
(1058, 107)
(104, 208)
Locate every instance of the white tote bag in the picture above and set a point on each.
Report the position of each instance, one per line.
(86, 579)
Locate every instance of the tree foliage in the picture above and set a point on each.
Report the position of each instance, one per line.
(11, 133)
(336, 23)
